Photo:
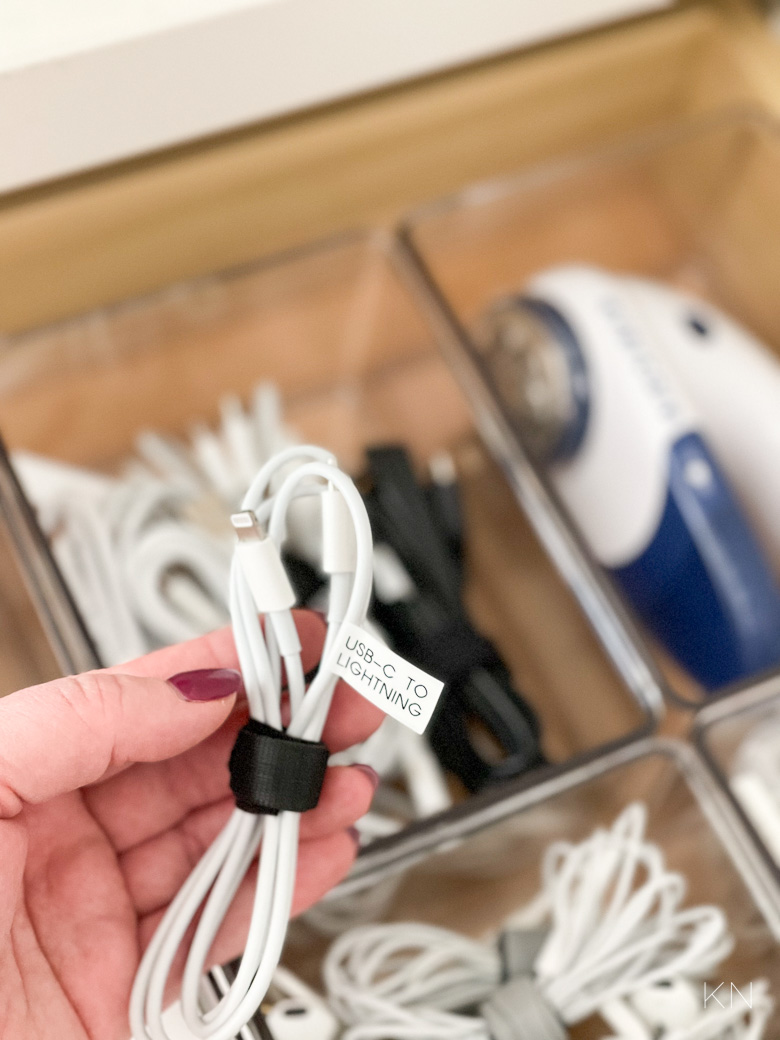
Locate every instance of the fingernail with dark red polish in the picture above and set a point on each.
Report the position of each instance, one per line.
(372, 774)
(354, 833)
(206, 684)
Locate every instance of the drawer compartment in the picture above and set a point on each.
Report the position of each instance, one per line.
(337, 330)
(695, 205)
(487, 861)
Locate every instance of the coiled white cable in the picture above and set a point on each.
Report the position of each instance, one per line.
(302, 471)
(146, 553)
(616, 926)
(616, 920)
(403, 980)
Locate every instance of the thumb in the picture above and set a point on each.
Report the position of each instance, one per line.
(65, 734)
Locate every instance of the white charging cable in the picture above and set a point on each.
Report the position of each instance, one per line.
(616, 927)
(259, 586)
(617, 921)
(404, 979)
(398, 753)
(146, 553)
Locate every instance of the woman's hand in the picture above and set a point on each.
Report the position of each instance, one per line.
(111, 787)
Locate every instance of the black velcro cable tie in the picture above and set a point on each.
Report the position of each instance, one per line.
(272, 772)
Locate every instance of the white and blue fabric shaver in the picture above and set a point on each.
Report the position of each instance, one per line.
(658, 422)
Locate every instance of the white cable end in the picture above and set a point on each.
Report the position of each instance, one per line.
(339, 547)
(262, 565)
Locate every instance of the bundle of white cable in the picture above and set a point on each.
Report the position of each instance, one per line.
(617, 921)
(146, 555)
(402, 980)
(146, 552)
(616, 928)
(347, 558)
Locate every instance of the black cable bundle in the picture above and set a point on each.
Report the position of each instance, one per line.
(483, 730)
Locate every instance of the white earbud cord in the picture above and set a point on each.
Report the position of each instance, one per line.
(616, 927)
(299, 471)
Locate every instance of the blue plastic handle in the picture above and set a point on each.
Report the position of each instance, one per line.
(703, 584)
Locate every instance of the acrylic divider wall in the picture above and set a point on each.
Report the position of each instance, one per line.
(696, 205)
(38, 627)
(739, 739)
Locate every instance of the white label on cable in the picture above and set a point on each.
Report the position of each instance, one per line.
(403, 691)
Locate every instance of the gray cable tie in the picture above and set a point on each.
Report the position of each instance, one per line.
(518, 949)
(518, 1011)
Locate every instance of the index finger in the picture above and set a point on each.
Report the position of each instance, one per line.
(351, 720)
